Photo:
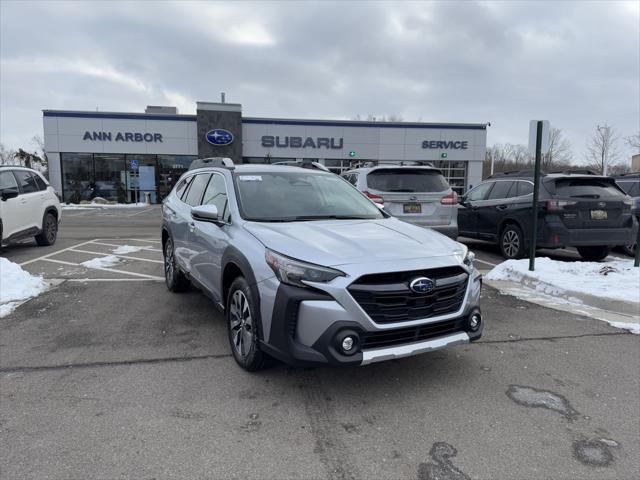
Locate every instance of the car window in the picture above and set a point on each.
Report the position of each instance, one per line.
(40, 182)
(632, 188)
(480, 192)
(26, 181)
(524, 188)
(501, 189)
(352, 178)
(8, 183)
(182, 187)
(587, 188)
(194, 195)
(406, 180)
(216, 194)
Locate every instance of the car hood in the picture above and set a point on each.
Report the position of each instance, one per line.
(341, 242)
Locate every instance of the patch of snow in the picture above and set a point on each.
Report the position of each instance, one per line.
(617, 279)
(85, 206)
(124, 249)
(102, 262)
(632, 327)
(17, 286)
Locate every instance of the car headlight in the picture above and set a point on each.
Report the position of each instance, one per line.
(469, 258)
(464, 255)
(296, 272)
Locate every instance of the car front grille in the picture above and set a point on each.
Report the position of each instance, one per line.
(420, 333)
(387, 298)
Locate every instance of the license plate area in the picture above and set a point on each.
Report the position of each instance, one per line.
(598, 214)
(412, 208)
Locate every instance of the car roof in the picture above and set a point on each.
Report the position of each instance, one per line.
(257, 167)
(388, 166)
(18, 167)
(627, 176)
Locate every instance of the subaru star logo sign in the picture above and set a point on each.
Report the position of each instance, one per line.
(219, 137)
(421, 285)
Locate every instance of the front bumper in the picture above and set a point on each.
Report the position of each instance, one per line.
(307, 326)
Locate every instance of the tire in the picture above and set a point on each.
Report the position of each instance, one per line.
(243, 323)
(512, 242)
(176, 280)
(49, 232)
(594, 254)
(629, 250)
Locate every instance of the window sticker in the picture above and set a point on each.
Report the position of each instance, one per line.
(250, 178)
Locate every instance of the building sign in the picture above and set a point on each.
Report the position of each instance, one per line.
(122, 137)
(219, 137)
(437, 144)
(269, 141)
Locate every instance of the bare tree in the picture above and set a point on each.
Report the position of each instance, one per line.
(7, 156)
(633, 141)
(560, 154)
(602, 149)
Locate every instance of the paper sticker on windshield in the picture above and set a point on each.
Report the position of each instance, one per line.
(250, 178)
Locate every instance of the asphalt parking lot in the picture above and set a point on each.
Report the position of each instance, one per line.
(108, 375)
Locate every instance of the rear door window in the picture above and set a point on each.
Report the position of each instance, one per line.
(501, 189)
(40, 182)
(406, 180)
(216, 194)
(587, 188)
(194, 195)
(26, 181)
(632, 188)
(524, 188)
(182, 187)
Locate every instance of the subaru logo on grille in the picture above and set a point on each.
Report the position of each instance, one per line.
(422, 285)
(602, 204)
(219, 137)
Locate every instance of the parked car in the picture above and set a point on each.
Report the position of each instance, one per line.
(29, 206)
(588, 212)
(307, 270)
(630, 183)
(415, 194)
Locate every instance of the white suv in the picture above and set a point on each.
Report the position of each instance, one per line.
(29, 206)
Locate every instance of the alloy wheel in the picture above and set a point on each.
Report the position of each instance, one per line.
(511, 243)
(241, 323)
(168, 262)
(50, 228)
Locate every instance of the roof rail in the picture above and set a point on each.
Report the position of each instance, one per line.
(224, 162)
(515, 173)
(575, 171)
(304, 163)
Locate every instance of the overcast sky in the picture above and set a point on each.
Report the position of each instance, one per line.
(576, 64)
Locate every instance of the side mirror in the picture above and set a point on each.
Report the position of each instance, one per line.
(7, 194)
(205, 213)
(463, 200)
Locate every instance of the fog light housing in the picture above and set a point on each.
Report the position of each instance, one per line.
(348, 342)
(475, 319)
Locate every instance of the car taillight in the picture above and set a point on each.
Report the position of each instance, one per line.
(558, 205)
(450, 199)
(374, 198)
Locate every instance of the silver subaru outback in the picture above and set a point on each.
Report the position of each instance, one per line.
(310, 271)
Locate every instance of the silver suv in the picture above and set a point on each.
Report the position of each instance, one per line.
(416, 194)
(309, 271)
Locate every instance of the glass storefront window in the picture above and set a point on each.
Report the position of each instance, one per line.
(77, 175)
(455, 173)
(110, 177)
(170, 168)
(143, 179)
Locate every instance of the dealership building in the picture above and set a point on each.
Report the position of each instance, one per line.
(121, 156)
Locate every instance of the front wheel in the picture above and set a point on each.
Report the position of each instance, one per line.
(512, 242)
(49, 232)
(629, 250)
(595, 253)
(242, 326)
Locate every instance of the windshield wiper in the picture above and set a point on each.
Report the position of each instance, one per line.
(333, 217)
(586, 195)
(402, 190)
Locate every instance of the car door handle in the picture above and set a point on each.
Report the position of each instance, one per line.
(192, 226)
(501, 207)
(23, 201)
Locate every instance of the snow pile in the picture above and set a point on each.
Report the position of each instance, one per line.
(17, 286)
(616, 280)
(612, 287)
(102, 262)
(85, 206)
(124, 249)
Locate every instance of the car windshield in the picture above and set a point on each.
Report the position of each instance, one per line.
(406, 180)
(301, 195)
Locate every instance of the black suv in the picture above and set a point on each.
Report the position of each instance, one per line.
(585, 211)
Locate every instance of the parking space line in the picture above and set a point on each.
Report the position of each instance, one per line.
(145, 249)
(112, 270)
(117, 255)
(44, 257)
(485, 262)
(82, 280)
(138, 213)
(142, 240)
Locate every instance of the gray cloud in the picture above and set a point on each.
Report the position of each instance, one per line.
(574, 63)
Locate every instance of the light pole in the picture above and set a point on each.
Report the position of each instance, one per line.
(604, 148)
